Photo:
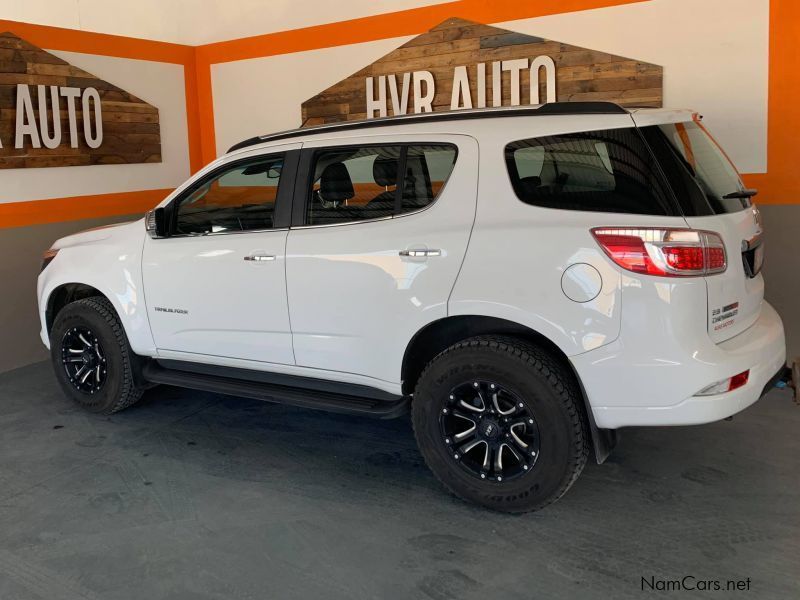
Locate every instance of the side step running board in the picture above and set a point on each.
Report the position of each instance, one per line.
(382, 406)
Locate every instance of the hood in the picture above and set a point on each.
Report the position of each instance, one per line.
(96, 234)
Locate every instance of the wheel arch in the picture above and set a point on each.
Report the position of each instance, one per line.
(64, 294)
(439, 335)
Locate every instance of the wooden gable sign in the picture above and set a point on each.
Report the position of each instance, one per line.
(461, 64)
(53, 114)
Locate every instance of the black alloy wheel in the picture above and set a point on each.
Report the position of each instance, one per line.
(499, 421)
(92, 359)
(490, 431)
(84, 360)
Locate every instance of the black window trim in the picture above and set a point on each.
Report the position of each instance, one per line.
(305, 174)
(687, 169)
(283, 198)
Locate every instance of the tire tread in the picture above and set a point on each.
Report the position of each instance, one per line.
(562, 381)
(131, 392)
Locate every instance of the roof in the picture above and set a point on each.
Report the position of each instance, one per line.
(550, 109)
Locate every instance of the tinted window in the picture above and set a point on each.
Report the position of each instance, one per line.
(605, 171)
(427, 170)
(697, 168)
(359, 183)
(238, 199)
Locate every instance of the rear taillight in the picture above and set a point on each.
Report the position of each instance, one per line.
(663, 252)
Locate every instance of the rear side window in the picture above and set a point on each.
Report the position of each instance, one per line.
(360, 183)
(602, 171)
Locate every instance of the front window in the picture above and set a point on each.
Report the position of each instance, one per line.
(241, 198)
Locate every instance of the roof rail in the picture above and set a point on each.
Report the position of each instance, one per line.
(549, 109)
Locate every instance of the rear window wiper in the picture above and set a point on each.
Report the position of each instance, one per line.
(740, 194)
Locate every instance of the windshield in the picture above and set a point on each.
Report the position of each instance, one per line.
(708, 164)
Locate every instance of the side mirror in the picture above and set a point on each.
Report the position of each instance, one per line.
(155, 223)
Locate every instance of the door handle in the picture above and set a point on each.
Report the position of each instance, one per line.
(420, 253)
(260, 257)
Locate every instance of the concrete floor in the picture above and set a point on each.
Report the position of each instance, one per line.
(192, 495)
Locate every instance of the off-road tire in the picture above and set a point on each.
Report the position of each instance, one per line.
(550, 392)
(121, 387)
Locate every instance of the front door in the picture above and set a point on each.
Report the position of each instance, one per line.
(216, 286)
(369, 264)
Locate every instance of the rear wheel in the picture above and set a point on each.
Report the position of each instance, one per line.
(93, 362)
(499, 422)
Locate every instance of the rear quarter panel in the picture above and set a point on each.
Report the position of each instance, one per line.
(518, 253)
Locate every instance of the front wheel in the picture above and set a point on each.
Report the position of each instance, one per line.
(498, 421)
(92, 359)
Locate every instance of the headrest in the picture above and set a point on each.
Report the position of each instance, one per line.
(335, 184)
(384, 171)
(528, 185)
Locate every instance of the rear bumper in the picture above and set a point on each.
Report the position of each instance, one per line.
(654, 384)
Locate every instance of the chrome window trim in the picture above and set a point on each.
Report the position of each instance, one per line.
(376, 220)
(216, 233)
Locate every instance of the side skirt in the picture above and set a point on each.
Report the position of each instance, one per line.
(304, 392)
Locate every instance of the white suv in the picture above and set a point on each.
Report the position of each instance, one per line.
(525, 280)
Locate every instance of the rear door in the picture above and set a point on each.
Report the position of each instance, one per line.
(369, 263)
(713, 198)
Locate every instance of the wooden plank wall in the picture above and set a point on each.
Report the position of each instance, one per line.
(131, 129)
(581, 74)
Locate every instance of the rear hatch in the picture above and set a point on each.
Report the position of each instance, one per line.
(713, 198)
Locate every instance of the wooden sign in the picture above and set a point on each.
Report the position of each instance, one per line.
(461, 64)
(53, 114)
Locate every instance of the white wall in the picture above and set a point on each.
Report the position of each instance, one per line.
(194, 22)
(714, 54)
(159, 84)
(263, 95)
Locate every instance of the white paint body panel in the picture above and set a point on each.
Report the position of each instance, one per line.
(354, 302)
(108, 259)
(235, 308)
(641, 347)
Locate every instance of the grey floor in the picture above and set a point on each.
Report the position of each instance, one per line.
(191, 495)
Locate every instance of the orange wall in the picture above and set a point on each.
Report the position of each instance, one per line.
(34, 212)
(780, 185)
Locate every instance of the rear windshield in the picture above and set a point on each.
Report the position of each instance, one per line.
(605, 171)
(703, 178)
